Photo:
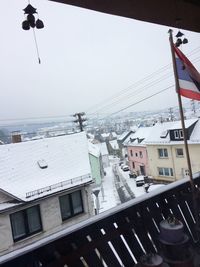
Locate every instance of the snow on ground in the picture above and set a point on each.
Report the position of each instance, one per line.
(108, 196)
(137, 190)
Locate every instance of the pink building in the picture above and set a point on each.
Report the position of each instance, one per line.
(137, 153)
(138, 160)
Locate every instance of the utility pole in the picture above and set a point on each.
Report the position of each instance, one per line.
(80, 119)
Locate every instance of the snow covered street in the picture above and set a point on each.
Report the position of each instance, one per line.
(118, 188)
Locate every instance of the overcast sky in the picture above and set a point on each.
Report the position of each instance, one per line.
(86, 58)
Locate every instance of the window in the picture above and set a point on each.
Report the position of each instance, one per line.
(25, 223)
(165, 171)
(71, 205)
(179, 152)
(178, 134)
(136, 154)
(162, 153)
(141, 154)
(133, 165)
(131, 151)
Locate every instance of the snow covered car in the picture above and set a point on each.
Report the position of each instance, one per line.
(125, 168)
(139, 180)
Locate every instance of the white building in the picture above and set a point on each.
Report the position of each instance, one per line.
(104, 154)
(44, 188)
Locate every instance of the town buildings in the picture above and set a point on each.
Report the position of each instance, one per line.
(159, 151)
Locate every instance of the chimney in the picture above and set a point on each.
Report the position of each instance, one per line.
(16, 137)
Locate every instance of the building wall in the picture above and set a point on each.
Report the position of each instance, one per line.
(95, 169)
(178, 164)
(139, 158)
(155, 162)
(51, 221)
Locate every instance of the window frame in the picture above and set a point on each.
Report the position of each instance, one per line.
(180, 133)
(133, 164)
(162, 155)
(176, 134)
(28, 232)
(162, 171)
(69, 196)
(177, 155)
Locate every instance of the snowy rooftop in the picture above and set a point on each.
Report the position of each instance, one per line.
(48, 163)
(177, 124)
(103, 148)
(114, 144)
(105, 135)
(114, 134)
(161, 129)
(93, 149)
(135, 138)
(123, 135)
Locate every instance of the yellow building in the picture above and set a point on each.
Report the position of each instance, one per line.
(166, 152)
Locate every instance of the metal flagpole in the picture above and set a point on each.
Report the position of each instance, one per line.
(183, 127)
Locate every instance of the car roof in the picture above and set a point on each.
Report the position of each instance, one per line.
(139, 178)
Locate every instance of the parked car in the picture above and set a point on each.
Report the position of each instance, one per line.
(125, 168)
(140, 180)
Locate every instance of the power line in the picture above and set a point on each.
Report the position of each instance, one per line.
(117, 95)
(136, 92)
(139, 90)
(146, 98)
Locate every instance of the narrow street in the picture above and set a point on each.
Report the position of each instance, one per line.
(123, 189)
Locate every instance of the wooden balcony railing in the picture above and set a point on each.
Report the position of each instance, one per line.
(117, 237)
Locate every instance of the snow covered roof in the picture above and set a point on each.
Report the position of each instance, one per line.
(22, 176)
(139, 137)
(177, 124)
(103, 148)
(114, 134)
(195, 136)
(123, 135)
(160, 132)
(114, 144)
(105, 135)
(93, 149)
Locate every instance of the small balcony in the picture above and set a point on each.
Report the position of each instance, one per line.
(117, 237)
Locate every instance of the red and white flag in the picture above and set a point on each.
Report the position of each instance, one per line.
(188, 76)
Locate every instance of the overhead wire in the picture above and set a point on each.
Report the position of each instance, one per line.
(147, 86)
(124, 91)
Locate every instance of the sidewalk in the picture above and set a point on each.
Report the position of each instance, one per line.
(108, 197)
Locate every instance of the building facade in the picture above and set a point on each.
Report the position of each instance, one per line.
(166, 150)
(42, 191)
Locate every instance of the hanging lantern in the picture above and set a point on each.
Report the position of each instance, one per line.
(178, 42)
(30, 10)
(39, 24)
(30, 22)
(25, 25)
(185, 41)
(179, 34)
